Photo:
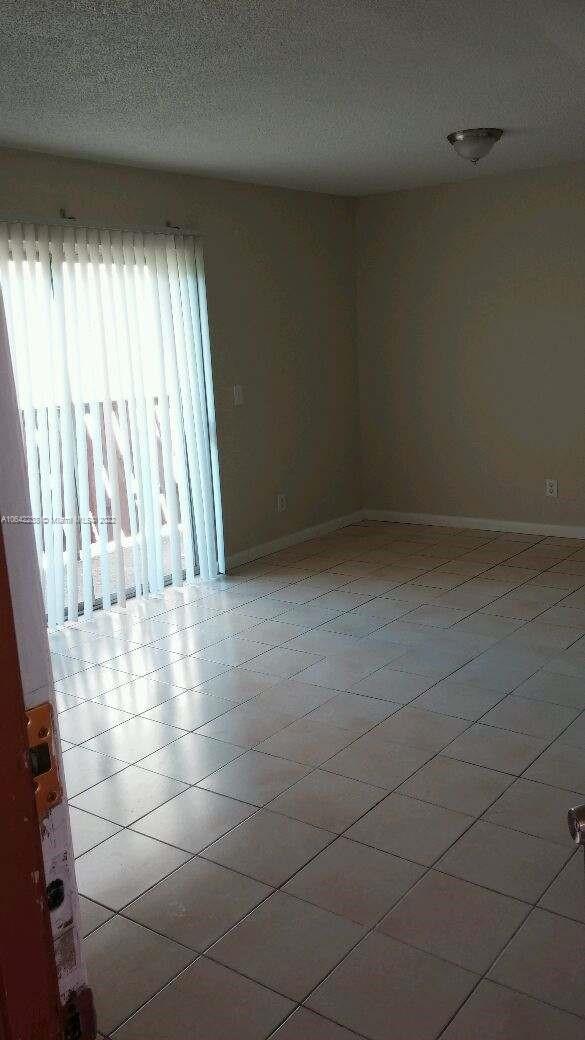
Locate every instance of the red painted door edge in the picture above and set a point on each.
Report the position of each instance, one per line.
(29, 992)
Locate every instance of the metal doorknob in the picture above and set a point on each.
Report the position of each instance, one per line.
(576, 822)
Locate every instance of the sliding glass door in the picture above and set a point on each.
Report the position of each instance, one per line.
(110, 347)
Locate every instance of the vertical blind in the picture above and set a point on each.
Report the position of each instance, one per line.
(109, 341)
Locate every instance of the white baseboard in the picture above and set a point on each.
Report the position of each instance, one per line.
(256, 552)
(474, 523)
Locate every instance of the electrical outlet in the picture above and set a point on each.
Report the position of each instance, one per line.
(281, 503)
(238, 396)
(551, 487)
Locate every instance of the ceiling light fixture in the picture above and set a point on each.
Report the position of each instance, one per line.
(474, 144)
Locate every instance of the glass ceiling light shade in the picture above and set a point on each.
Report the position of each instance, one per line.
(474, 144)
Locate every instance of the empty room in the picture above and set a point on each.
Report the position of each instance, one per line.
(292, 501)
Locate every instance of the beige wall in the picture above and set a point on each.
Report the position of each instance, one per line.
(471, 318)
(470, 337)
(280, 284)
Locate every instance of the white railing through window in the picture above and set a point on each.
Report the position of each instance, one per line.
(110, 347)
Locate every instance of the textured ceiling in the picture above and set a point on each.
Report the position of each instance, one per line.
(343, 96)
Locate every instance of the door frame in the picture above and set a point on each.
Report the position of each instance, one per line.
(30, 1007)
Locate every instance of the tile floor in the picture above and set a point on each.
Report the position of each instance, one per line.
(324, 798)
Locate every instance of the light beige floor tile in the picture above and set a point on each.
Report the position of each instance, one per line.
(191, 757)
(186, 641)
(126, 796)
(462, 700)
(126, 965)
(353, 712)
(231, 651)
(91, 682)
(390, 685)
(247, 724)
(456, 785)
(534, 809)
(546, 960)
(188, 672)
(372, 585)
(515, 864)
(137, 738)
(517, 606)
(91, 915)
(566, 895)
(87, 719)
(570, 663)
(419, 728)
(452, 641)
(146, 630)
(409, 828)
(308, 614)
(65, 701)
(268, 847)
(381, 764)
(139, 695)
(306, 1025)
(535, 718)
(123, 867)
(570, 617)
(63, 666)
(437, 615)
(106, 648)
(223, 1004)
(496, 748)
(399, 637)
(467, 598)
(452, 919)
(189, 709)
(143, 660)
(434, 663)
(553, 688)
(501, 672)
(354, 881)
(193, 819)
(382, 982)
(560, 764)
(284, 663)
(331, 642)
(255, 777)
(574, 735)
(495, 1013)
(327, 800)
(343, 601)
(237, 685)
(307, 741)
(541, 638)
(287, 944)
(295, 697)
(84, 768)
(275, 632)
(197, 903)
(354, 624)
(87, 831)
(334, 673)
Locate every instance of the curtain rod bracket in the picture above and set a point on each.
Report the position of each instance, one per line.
(65, 215)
